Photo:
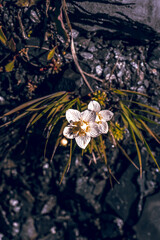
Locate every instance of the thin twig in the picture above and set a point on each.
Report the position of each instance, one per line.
(78, 66)
(94, 77)
(73, 48)
(21, 26)
(47, 7)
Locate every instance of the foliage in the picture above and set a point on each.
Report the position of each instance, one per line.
(26, 3)
(3, 38)
(53, 107)
(118, 132)
(135, 122)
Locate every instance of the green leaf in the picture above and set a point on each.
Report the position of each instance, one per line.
(79, 105)
(11, 44)
(3, 38)
(119, 92)
(15, 119)
(145, 106)
(149, 130)
(103, 149)
(124, 120)
(138, 117)
(42, 113)
(68, 163)
(124, 109)
(151, 154)
(126, 155)
(26, 3)
(137, 148)
(58, 117)
(122, 92)
(9, 67)
(136, 130)
(31, 119)
(38, 100)
(127, 116)
(148, 112)
(51, 53)
(58, 140)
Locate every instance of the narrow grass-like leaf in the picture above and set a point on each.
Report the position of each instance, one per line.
(105, 160)
(57, 142)
(27, 104)
(39, 116)
(68, 163)
(103, 150)
(49, 122)
(124, 109)
(120, 91)
(96, 146)
(15, 119)
(126, 155)
(146, 119)
(36, 109)
(149, 130)
(150, 113)
(129, 110)
(124, 120)
(57, 118)
(63, 112)
(133, 126)
(31, 119)
(79, 105)
(145, 106)
(20, 116)
(151, 154)
(137, 116)
(138, 151)
(59, 103)
(3, 38)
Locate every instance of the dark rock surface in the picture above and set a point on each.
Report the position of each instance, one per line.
(148, 226)
(137, 19)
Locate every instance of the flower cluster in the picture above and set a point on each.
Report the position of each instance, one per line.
(118, 132)
(100, 97)
(87, 124)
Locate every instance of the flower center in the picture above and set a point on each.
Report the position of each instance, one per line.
(81, 127)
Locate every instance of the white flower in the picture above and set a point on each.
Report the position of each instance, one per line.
(82, 126)
(102, 116)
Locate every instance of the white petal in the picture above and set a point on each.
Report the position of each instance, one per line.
(94, 106)
(73, 115)
(88, 116)
(105, 115)
(93, 130)
(68, 132)
(103, 127)
(82, 141)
